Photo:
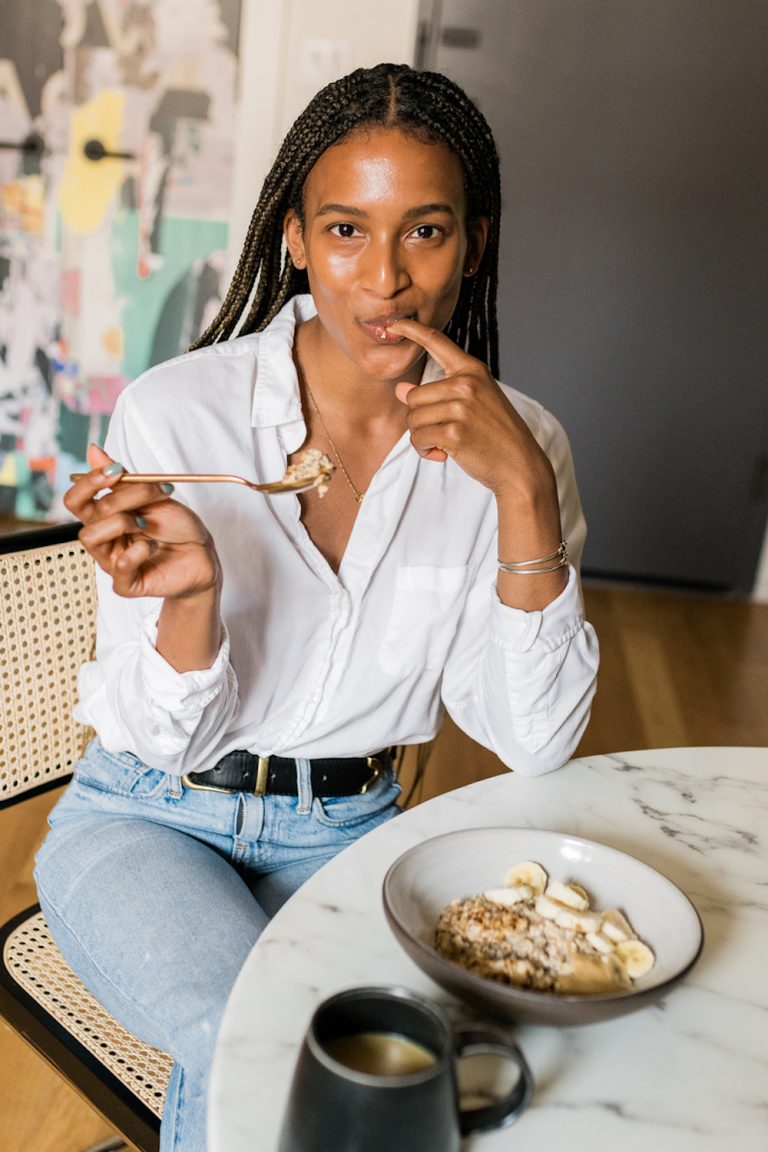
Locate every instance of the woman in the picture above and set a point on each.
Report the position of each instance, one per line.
(257, 657)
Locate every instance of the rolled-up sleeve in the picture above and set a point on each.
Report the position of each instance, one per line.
(538, 681)
(137, 701)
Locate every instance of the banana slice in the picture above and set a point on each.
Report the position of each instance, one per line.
(600, 943)
(577, 921)
(635, 958)
(547, 908)
(529, 873)
(509, 896)
(567, 894)
(616, 926)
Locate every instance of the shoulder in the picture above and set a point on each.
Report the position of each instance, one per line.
(220, 372)
(547, 429)
(177, 412)
(195, 376)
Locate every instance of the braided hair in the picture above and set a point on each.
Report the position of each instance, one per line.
(424, 104)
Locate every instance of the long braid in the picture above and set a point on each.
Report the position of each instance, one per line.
(426, 104)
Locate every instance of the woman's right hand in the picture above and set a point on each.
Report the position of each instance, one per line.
(148, 543)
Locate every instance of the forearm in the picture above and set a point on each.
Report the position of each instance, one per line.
(189, 630)
(529, 528)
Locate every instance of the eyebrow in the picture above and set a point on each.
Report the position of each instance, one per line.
(411, 214)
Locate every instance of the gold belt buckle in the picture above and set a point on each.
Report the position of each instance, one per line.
(189, 782)
(262, 776)
(374, 763)
(260, 788)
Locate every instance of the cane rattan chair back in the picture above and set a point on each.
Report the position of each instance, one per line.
(47, 625)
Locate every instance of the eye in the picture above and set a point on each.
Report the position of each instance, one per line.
(345, 230)
(427, 232)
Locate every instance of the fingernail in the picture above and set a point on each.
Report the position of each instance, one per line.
(166, 487)
(140, 521)
(113, 469)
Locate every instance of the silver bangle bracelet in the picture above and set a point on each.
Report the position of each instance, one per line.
(562, 563)
(531, 567)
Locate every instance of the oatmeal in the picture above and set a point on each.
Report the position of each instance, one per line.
(312, 466)
(542, 934)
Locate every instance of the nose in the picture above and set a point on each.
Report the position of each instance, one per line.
(385, 271)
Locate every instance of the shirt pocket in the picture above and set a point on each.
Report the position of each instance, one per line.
(425, 610)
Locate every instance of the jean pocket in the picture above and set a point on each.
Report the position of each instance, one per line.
(118, 773)
(425, 609)
(352, 811)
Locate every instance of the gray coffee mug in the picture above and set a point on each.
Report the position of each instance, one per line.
(377, 1072)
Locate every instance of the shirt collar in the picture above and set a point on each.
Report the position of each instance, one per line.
(276, 396)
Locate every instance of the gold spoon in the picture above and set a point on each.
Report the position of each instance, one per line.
(312, 470)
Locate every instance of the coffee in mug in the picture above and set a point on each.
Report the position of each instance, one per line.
(377, 1070)
(380, 1053)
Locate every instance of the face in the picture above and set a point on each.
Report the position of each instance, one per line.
(384, 237)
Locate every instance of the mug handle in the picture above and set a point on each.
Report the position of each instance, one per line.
(472, 1040)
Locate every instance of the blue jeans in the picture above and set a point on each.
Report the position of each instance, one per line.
(156, 893)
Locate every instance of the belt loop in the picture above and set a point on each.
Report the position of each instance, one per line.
(174, 785)
(304, 784)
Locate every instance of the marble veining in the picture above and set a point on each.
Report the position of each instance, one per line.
(687, 1073)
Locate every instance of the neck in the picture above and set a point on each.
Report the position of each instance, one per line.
(338, 386)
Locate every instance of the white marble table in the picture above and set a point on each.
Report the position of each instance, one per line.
(689, 1074)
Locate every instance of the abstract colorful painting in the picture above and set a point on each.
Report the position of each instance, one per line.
(117, 130)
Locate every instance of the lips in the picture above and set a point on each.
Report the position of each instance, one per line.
(377, 327)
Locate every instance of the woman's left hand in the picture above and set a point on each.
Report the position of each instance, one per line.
(467, 416)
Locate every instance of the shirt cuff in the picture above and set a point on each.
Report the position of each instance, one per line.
(516, 630)
(181, 694)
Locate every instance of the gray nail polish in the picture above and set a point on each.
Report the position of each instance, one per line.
(113, 469)
(140, 521)
(166, 487)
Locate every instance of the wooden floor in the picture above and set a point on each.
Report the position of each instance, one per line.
(675, 670)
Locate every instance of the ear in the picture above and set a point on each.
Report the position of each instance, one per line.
(294, 238)
(477, 237)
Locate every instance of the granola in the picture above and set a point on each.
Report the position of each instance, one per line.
(543, 936)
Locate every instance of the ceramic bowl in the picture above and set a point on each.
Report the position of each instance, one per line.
(458, 864)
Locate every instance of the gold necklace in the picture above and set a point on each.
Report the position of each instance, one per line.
(358, 494)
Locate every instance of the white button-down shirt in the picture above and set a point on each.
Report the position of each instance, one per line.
(318, 664)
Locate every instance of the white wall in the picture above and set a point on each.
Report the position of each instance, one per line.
(288, 50)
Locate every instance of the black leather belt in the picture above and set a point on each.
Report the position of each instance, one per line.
(241, 771)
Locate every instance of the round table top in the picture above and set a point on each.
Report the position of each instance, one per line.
(685, 1073)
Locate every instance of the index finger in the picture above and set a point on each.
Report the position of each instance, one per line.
(85, 489)
(441, 348)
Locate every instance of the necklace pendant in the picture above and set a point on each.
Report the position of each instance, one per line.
(359, 497)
